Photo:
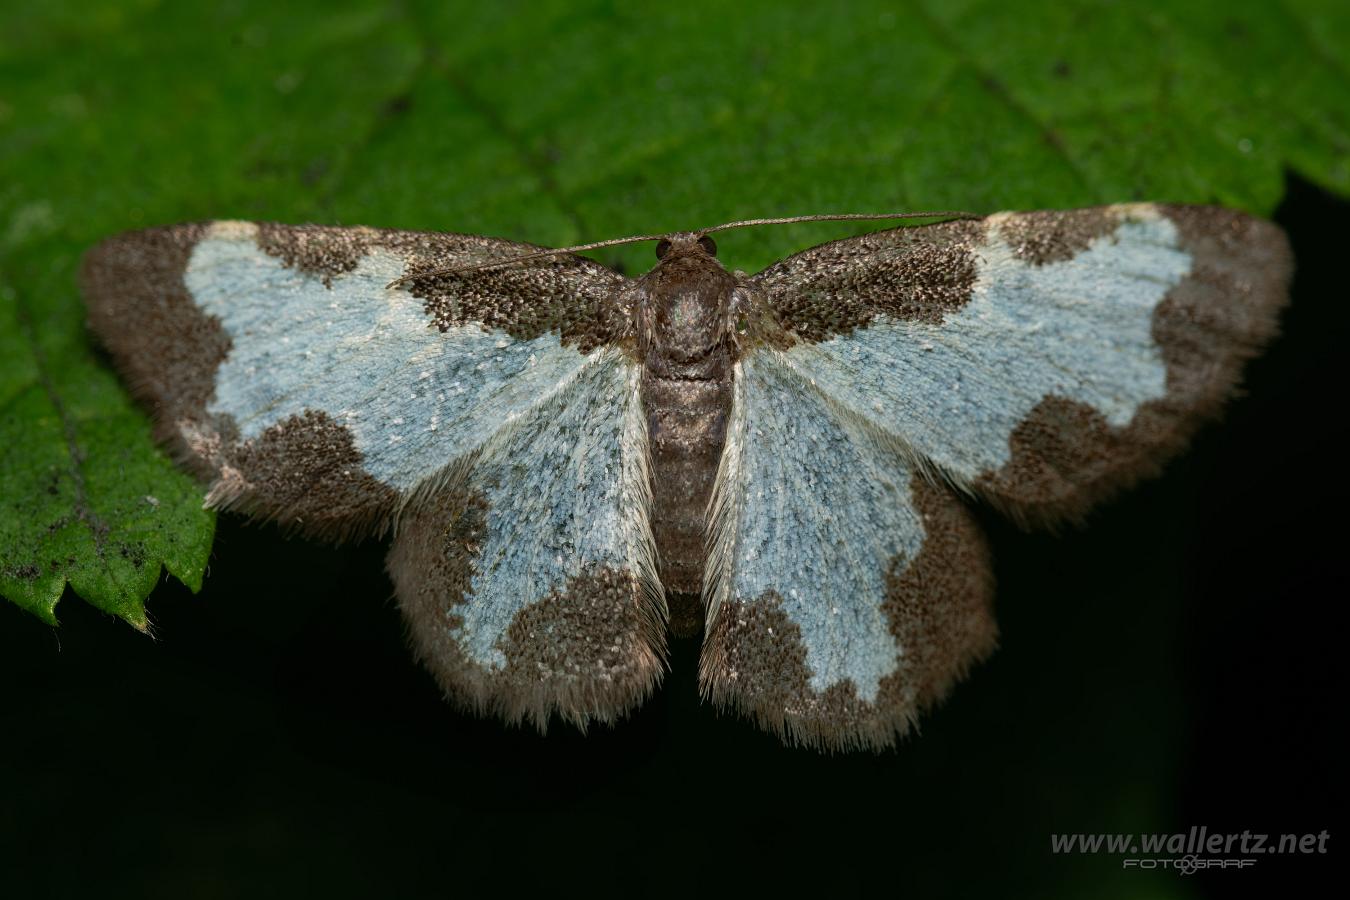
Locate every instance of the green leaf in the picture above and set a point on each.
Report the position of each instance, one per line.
(87, 499)
(553, 123)
(558, 122)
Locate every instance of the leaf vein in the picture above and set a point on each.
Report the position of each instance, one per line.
(84, 510)
(1000, 92)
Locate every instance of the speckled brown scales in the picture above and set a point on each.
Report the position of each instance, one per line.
(939, 605)
(685, 342)
(557, 443)
(304, 473)
(1101, 337)
(1065, 458)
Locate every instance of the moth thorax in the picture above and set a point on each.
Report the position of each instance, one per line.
(688, 311)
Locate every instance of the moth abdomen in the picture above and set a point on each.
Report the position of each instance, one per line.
(686, 395)
(686, 428)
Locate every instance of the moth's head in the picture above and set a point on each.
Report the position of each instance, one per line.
(685, 245)
(686, 261)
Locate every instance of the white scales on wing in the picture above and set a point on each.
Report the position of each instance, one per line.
(828, 435)
(822, 510)
(566, 489)
(1080, 329)
(551, 423)
(413, 397)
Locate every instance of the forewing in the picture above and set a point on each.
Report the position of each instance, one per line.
(528, 583)
(1042, 360)
(847, 592)
(282, 367)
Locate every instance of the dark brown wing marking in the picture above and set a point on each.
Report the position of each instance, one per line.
(529, 582)
(906, 273)
(589, 651)
(246, 380)
(1066, 457)
(568, 294)
(1046, 359)
(937, 607)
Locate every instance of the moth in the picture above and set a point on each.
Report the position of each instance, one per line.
(573, 462)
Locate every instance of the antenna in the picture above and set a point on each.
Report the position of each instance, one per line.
(743, 223)
(841, 217)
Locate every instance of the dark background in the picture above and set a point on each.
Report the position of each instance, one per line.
(1184, 646)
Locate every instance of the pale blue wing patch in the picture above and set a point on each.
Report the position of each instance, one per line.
(818, 521)
(529, 581)
(956, 389)
(1066, 371)
(285, 365)
(413, 397)
(331, 377)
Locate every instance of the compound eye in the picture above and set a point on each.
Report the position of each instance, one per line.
(708, 244)
(662, 248)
